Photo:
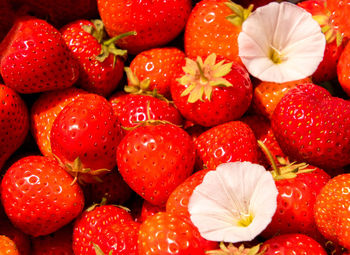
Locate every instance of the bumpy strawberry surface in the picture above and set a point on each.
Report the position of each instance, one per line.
(343, 69)
(7, 246)
(38, 195)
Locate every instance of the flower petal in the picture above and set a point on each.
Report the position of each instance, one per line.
(228, 193)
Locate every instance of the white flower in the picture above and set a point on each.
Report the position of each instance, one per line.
(234, 203)
(281, 42)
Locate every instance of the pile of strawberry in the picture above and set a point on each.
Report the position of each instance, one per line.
(113, 111)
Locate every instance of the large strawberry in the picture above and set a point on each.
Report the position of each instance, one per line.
(45, 110)
(213, 27)
(38, 195)
(35, 58)
(310, 125)
(156, 23)
(85, 136)
(153, 159)
(228, 142)
(212, 91)
(14, 120)
(100, 62)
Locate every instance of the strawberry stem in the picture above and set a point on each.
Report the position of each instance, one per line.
(118, 37)
(203, 79)
(269, 156)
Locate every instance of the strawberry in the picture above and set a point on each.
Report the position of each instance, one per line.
(213, 27)
(292, 244)
(85, 136)
(153, 159)
(156, 24)
(38, 195)
(45, 110)
(100, 62)
(155, 69)
(90, 225)
(59, 242)
(14, 120)
(166, 233)
(266, 95)
(35, 58)
(343, 69)
(7, 17)
(148, 210)
(331, 210)
(228, 142)
(131, 109)
(8, 246)
(213, 91)
(310, 125)
(340, 11)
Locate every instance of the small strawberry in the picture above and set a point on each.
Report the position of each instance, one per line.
(156, 68)
(212, 92)
(331, 210)
(8, 246)
(85, 136)
(156, 24)
(38, 195)
(228, 142)
(292, 244)
(100, 62)
(14, 120)
(213, 27)
(34, 58)
(45, 110)
(91, 224)
(312, 126)
(153, 159)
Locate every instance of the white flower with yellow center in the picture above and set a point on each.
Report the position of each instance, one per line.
(281, 42)
(234, 203)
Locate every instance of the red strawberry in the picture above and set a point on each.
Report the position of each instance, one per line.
(131, 109)
(228, 142)
(310, 125)
(38, 195)
(331, 210)
(59, 242)
(166, 233)
(153, 159)
(14, 120)
(7, 17)
(212, 91)
(45, 110)
(156, 24)
(340, 11)
(343, 69)
(156, 68)
(148, 210)
(91, 224)
(100, 62)
(85, 136)
(8, 246)
(289, 244)
(35, 58)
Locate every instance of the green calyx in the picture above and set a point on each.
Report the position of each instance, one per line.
(230, 249)
(200, 77)
(107, 46)
(240, 14)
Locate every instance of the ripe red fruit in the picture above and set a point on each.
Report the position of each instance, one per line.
(8, 246)
(343, 69)
(312, 126)
(340, 11)
(38, 195)
(14, 119)
(156, 24)
(35, 58)
(154, 159)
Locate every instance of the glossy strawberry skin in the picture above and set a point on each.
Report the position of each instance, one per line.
(131, 109)
(7, 246)
(295, 202)
(156, 24)
(86, 128)
(228, 142)
(160, 65)
(331, 210)
(290, 244)
(13, 129)
(226, 103)
(92, 222)
(154, 159)
(310, 125)
(95, 76)
(343, 69)
(35, 58)
(340, 11)
(44, 111)
(34, 179)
